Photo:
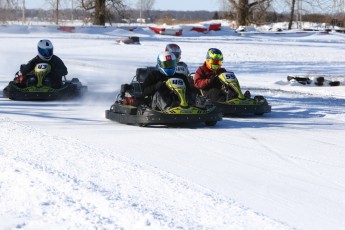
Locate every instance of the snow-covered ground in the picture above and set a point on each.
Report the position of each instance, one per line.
(64, 166)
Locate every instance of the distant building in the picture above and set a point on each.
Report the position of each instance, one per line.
(141, 20)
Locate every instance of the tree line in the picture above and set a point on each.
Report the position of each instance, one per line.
(244, 12)
(248, 11)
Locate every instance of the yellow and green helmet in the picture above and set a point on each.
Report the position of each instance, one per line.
(214, 59)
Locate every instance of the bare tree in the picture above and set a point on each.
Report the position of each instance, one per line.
(8, 3)
(6, 7)
(23, 11)
(327, 7)
(57, 12)
(55, 5)
(245, 8)
(292, 13)
(101, 9)
(145, 7)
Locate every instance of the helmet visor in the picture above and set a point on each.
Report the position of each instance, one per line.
(170, 64)
(215, 62)
(45, 52)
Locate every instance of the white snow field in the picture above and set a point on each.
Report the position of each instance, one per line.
(63, 165)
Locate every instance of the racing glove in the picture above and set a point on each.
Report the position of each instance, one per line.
(213, 80)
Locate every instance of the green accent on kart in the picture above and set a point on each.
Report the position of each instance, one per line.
(229, 79)
(41, 70)
(245, 101)
(35, 89)
(188, 110)
(178, 86)
(39, 81)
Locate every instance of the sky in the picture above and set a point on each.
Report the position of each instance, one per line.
(190, 5)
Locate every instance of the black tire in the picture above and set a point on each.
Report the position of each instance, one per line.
(210, 123)
(259, 98)
(140, 112)
(75, 80)
(334, 83)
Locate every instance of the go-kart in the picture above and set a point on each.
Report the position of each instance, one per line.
(37, 88)
(236, 102)
(131, 107)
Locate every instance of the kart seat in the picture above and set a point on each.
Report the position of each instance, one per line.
(141, 73)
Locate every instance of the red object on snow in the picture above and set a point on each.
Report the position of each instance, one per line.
(215, 26)
(157, 30)
(199, 29)
(179, 32)
(67, 28)
(166, 31)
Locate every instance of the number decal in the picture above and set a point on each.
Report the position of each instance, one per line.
(180, 69)
(42, 66)
(178, 82)
(231, 76)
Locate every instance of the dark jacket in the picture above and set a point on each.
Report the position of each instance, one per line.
(156, 76)
(203, 76)
(58, 69)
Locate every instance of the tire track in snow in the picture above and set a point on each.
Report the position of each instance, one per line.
(297, 161)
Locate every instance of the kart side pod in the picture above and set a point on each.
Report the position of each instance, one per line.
(229, 79)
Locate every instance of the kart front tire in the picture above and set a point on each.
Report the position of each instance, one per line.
(210, 123)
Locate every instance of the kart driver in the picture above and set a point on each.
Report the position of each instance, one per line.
(55, 71)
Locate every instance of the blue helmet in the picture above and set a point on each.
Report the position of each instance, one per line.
(166, 63)
(45, 50)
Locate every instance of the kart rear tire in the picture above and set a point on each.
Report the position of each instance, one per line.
(140, 112)
(210, 123)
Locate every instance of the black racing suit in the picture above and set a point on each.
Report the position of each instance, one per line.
(58, 69)
(162, 97)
